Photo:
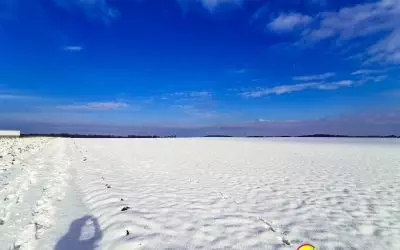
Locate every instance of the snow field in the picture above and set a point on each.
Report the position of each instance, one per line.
(199, 193)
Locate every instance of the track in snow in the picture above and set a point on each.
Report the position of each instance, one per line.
(33, 186)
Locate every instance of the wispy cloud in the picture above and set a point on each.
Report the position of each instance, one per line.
(8, 97)
(284, 89)
(95, 106)
(367, 72)
(191, 94)
(314, 77)
(105, 10)
(388, 49)
(198, 104)
(373, 78)
(355, 21)
(359, 21)
(196, 111)
(73, 48)
(288, 22)
(200, 94)
(239, 71)
(371, 75)
(212, 4)
(94, 9)
(379, 21)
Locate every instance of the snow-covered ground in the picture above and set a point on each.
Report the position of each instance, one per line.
(87, 194)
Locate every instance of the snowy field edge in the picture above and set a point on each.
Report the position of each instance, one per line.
(199, 193)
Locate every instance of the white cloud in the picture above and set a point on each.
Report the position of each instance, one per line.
(388, 49)
(370, 75)
(367, 72)
(372, 78)
(379, 78)
(96, 106)
(314, 77)
(73, 48)
(191, 94)
(288, 22)
(200, 94)
(357, 21)
(262, 120)
(284, 89)
(211, 4)
(360, 21)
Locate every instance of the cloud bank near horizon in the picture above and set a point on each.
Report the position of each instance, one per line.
(378, 123)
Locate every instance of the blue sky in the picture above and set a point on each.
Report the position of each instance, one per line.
(200, 66)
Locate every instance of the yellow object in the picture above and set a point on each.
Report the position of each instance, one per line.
(306, 247)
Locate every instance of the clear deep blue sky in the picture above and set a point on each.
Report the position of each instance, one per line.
(194, 67)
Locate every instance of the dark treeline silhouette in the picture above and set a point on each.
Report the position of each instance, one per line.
(332, 136)
(218, 136)
(67, 135)
(350, 136)
(270, 136)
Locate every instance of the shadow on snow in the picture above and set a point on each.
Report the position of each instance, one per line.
(83, 234)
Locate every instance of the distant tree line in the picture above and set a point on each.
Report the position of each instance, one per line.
(350, 136)
(218, 136)
(67, 135)
(333, 136)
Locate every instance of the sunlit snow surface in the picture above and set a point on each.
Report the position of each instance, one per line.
(199, 193)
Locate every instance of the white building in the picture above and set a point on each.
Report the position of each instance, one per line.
(10, 133)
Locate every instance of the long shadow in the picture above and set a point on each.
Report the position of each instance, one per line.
(83, 234)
